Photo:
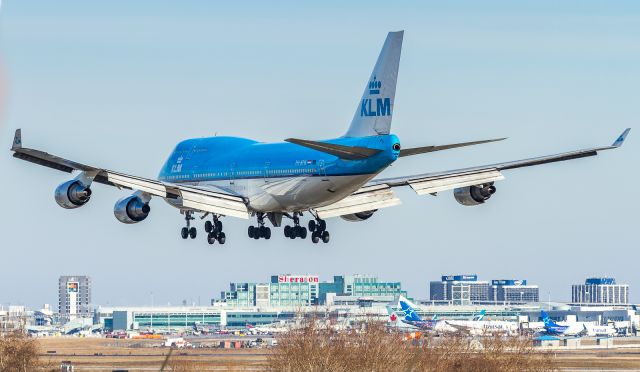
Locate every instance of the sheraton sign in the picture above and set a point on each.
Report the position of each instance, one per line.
(298, 279)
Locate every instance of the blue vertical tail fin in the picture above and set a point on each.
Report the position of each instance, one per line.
(409, 312)
(480, 315)
(375, 109)
(545, 318)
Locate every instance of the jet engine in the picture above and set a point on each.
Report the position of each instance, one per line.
(474, 195)
(131, 209)
(72, 194)
(358, 217)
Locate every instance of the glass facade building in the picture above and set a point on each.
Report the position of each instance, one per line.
(306, 290)
(459, 289)
(513, 291)
(600, 291)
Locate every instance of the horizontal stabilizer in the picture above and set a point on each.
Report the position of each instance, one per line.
(425, 149)
(341, 151)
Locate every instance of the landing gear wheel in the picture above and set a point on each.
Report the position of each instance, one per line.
(322, 225)
(251, 231)
(222, 238)
(303, 232)
(315, 237)
(208, 226)
(184, 233)
(287, 231)
(325, 236)
(218, 225)
(211, 238)
(312, 225)
(193, 233)
(267, 233)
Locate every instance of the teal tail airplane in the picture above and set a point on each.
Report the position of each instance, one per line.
(238, 177)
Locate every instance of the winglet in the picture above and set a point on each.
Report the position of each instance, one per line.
(621, 138)
(17, 140)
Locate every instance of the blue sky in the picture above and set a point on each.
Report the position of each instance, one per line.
(116, 84)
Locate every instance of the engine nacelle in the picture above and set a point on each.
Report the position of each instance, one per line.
(358, 217)
(131, 209)
(474, 195)
(72, 194)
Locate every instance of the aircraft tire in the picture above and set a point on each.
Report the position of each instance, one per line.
(322, 225)
(219, 225)
(211, 239)
(222, 238)
(312, 225)
(287, 231)
(193, 233)
(303, 232)
(184, 233)
(267, 233)
(325, 237)
(208, 226)
(251, 231)
(315, 237)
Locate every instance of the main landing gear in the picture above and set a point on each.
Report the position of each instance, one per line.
(319, 231)
(214, 230)
(260, 231)
(188, 231)
(295, 231)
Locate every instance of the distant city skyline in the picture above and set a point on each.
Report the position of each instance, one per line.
(117, 84)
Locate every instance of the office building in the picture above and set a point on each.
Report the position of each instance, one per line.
(74, 297)
(306, 290)
(513, 291)
(600, 291)
(459, 289)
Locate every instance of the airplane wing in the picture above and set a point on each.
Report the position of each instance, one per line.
(192, 197)
(379, 193)
(431, 183)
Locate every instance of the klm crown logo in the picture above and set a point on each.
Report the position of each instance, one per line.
(377, 107)
(374, 86)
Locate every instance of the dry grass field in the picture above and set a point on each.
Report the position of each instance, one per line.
(98, 354)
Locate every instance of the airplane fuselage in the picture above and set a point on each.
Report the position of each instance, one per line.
(276, 177)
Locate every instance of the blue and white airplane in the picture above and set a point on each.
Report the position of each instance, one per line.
(239, 177)
(553, 328)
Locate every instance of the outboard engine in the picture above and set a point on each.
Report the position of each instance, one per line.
(474, 195)
(72, 194)
(131, 209)
(358, 217)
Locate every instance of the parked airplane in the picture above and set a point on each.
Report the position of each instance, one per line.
(412, 318)
(484, 327)
(575, 328)
(553, 328)
(238, 177)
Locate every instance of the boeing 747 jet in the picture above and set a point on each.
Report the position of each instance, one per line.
(219, 177)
